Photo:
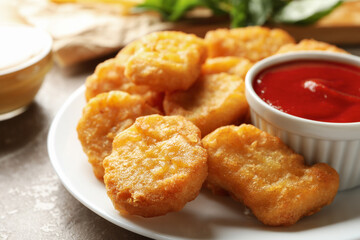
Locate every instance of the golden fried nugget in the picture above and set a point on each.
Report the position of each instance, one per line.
(109, 76)
(213, 101)
(164, 61)
(104, 116)
(309, 45)
(345, 15)
(267, 176)
(232, 65)
(129, 50)
(157, 165)
(253, 43)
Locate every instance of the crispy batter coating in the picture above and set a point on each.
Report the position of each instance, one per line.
(129, 50)
(109, 76)
(104, 116)
(268, 177)
(157, 165)
(253, 43)
(232, 65)
(213, 101)
(164, 61)
(310, 45)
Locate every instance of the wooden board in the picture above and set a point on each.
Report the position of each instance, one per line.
(335, 35)
(341, 27)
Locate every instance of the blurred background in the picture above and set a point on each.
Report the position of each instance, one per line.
(87, 29)
(33, 202)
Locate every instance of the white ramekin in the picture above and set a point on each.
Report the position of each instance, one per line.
(337, 144)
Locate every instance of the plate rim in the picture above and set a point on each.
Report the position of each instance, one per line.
(67, 184)
(78, 195)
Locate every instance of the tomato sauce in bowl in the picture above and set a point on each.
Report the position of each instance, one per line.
(310, 100)
(312, 89)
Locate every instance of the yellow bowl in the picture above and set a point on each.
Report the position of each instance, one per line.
(23, 67)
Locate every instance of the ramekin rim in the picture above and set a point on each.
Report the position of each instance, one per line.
(34, 60)
(284, 57)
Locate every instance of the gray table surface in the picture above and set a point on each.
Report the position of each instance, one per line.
(33, 202)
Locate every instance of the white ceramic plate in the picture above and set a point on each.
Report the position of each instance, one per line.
(207, 217)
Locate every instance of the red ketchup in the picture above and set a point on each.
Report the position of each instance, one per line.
(317, 90)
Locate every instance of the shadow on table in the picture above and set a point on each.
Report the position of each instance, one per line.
(86, 66)
(22, 129)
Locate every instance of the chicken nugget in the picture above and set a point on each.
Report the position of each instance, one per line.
(267, 176)
(253, 43)
(309, 45)
(129, 50)
(104, 116)
(213, 101)
(232, 65)
(156, 166)
(164, 61)
(109, 76)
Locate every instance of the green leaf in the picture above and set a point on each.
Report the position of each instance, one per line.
(247, 12)
(182, 6)
(259, 11)
(216, 6)
(305, 11)
(279, 4)
(164, 7)
(238, 13)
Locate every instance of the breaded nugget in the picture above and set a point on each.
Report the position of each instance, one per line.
(129, 50)
(345, 15)
(232, 65)
(157, 165)
(109, 76)
(164, 61)
(253, 43)
(267, 176)
(104, 116)
(310, 45)
(213, 101)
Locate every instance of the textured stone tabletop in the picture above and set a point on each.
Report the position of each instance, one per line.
(33, 202)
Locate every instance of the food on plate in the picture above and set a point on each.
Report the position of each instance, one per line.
(129, 50)
(253, 43)
(103, 117)
(232, 65)
(152, 164)
(109, 76)
(213, 101)
(309, 45)
(156, 166)
(267, 176)
(164, 61)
